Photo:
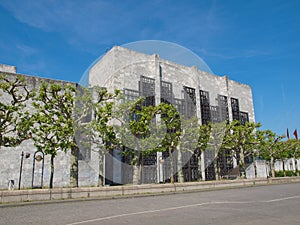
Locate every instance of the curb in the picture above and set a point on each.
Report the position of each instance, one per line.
(20, 197)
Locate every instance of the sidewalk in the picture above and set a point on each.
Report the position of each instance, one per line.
(130, 190)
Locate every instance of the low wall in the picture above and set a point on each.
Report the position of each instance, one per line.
(129, 190)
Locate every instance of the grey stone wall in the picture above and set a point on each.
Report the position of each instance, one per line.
(10, 158)
(8, 68)
(128, 66)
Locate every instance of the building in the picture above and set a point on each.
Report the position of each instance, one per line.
(192, 91)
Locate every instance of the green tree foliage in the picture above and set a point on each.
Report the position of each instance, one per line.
(269, 147)
(53, 129)
(294, 152)
(214, 145)
(143, 130)
(171, 118)
(14, 123)
(203, 138)
(288, 149)
(242, 141)
(103, 134)
(187, 144)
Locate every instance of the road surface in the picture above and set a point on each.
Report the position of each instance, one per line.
(275, 204)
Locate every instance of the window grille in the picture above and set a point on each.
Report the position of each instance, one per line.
(147, 89)
(223, 108)
(149, 174)
(205, 107)
(180, 106)
(131, 95)
(166, 92)
(190, 101)
(209, 156)
(244, 117)
(235, 109)
(214, 110)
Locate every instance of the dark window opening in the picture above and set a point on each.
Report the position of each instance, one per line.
(205, 107)
(244, 117)
(223, 108)
(190, 100)
(166, 92)
(235, 109)
(147, 89)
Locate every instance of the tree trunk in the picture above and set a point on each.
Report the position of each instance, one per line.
(272, 166)
(137, 168)
(199, 171)
(141, 164)
(284, 173)
(296, 167)
(101, 169)
(52, 171)
(255, 168)
(217, 174)
(74, 167)
(242, 164)
(171, 165)
(216, 157)
(179, 166)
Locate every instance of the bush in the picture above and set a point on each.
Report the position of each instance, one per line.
(287, 172)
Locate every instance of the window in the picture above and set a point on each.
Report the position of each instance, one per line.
(166, 92)
(205, 107)
(147, 89)
(131, 94)
(190, 101)
(235, 109)
(244, 117)
(214, 110)
(180, 106)
(223, 108)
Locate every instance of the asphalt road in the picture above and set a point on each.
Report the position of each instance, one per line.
(275, 204)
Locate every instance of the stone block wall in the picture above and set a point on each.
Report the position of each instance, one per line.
(10, 157)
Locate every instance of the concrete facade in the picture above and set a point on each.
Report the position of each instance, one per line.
(128, 66)
(287, 165)
(224, 99)
(125, 69)
(10, 157)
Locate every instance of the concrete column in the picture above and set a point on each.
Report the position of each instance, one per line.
(228, 93)
(234, 162)
(158, 79)
(203, 166)
(159, 163)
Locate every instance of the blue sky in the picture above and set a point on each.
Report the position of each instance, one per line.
(255, 42)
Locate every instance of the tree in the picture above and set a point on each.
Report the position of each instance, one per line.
(288, 149)
(14, 123)
(103, 134)
(188, 144)
(204, 134)
(145, 129)
(132, 124)
(282, 154)
(53, 129)
(294, 152)
(214, 144)
(269, 147)
(242, 141)
(171, 118)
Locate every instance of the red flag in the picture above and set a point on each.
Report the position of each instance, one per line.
(296, 134)
(287, 133)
